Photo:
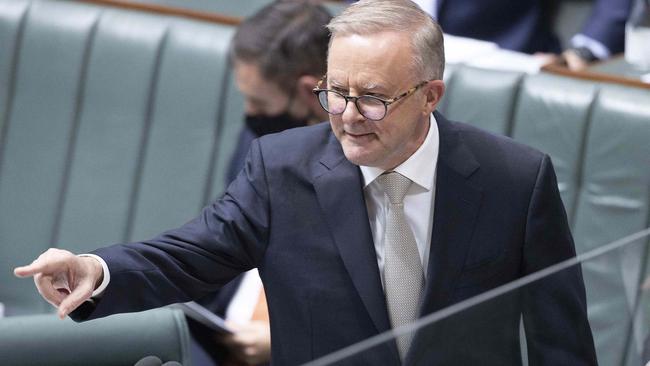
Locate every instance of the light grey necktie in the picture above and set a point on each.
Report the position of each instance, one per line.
(403, 275)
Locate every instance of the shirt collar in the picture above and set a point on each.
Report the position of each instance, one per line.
(419, 167)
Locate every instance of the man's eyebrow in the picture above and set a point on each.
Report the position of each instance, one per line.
(370, 85)
(335, 83)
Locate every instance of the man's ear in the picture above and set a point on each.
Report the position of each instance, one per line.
(434, 90)
(304, 93)
(305, 85)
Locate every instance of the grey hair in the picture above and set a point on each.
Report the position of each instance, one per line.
(374, 16)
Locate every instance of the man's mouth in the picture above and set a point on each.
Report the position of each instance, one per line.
(357, 134)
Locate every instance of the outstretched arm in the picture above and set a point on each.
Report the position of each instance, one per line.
(227, 238)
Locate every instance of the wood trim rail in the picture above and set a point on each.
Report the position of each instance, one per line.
(207, 16)
(595, 76)
(169, 10)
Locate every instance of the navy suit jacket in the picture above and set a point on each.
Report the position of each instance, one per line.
(297, 212)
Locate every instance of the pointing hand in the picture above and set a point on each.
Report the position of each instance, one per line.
(63, 279)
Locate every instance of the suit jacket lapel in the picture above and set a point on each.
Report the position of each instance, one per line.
(338, 186)
(457, 203)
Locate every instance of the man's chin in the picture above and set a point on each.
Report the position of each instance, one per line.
(358, 156)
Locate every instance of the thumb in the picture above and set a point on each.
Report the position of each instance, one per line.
(80, 294)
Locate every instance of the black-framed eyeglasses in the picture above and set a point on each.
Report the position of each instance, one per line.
(370, 106)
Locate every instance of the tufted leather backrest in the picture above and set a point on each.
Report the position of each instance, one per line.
(552, 115)
(116, 124)
(493, 97)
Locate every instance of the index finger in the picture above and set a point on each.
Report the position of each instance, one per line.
(28, 270)
(38, 266)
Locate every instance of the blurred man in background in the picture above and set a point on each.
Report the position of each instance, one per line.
(527, 26)
(278, 54)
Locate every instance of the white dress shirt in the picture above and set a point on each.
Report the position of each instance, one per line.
(418, 202)
(107, 276)
(243, 303)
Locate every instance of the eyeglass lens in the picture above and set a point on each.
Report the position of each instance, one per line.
(334, 103)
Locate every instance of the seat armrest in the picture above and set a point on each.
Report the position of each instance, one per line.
(116, 340)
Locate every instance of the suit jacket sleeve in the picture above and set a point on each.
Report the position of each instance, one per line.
(238, 158)
(554, 308)
(226, 239)
(606, 23)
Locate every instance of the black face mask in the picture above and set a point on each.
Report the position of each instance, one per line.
(263, 125)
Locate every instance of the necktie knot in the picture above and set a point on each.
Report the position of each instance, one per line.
(395, 186)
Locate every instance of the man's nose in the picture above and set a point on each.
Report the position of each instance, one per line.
(351, 113)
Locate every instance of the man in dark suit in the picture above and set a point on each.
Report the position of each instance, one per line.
(527, 26)
(386, 214)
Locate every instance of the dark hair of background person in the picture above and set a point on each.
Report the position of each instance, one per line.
(286, 40)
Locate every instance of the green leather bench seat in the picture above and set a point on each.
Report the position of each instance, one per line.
(492, 101)
(238, 9)
(116, 125)
(613, 202)
(615, 193)
(47, 340)
(552, 115)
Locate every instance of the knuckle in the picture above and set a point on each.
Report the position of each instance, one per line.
(50, 251)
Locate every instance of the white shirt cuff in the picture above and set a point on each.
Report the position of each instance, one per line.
(107, 275)
(596, 47)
